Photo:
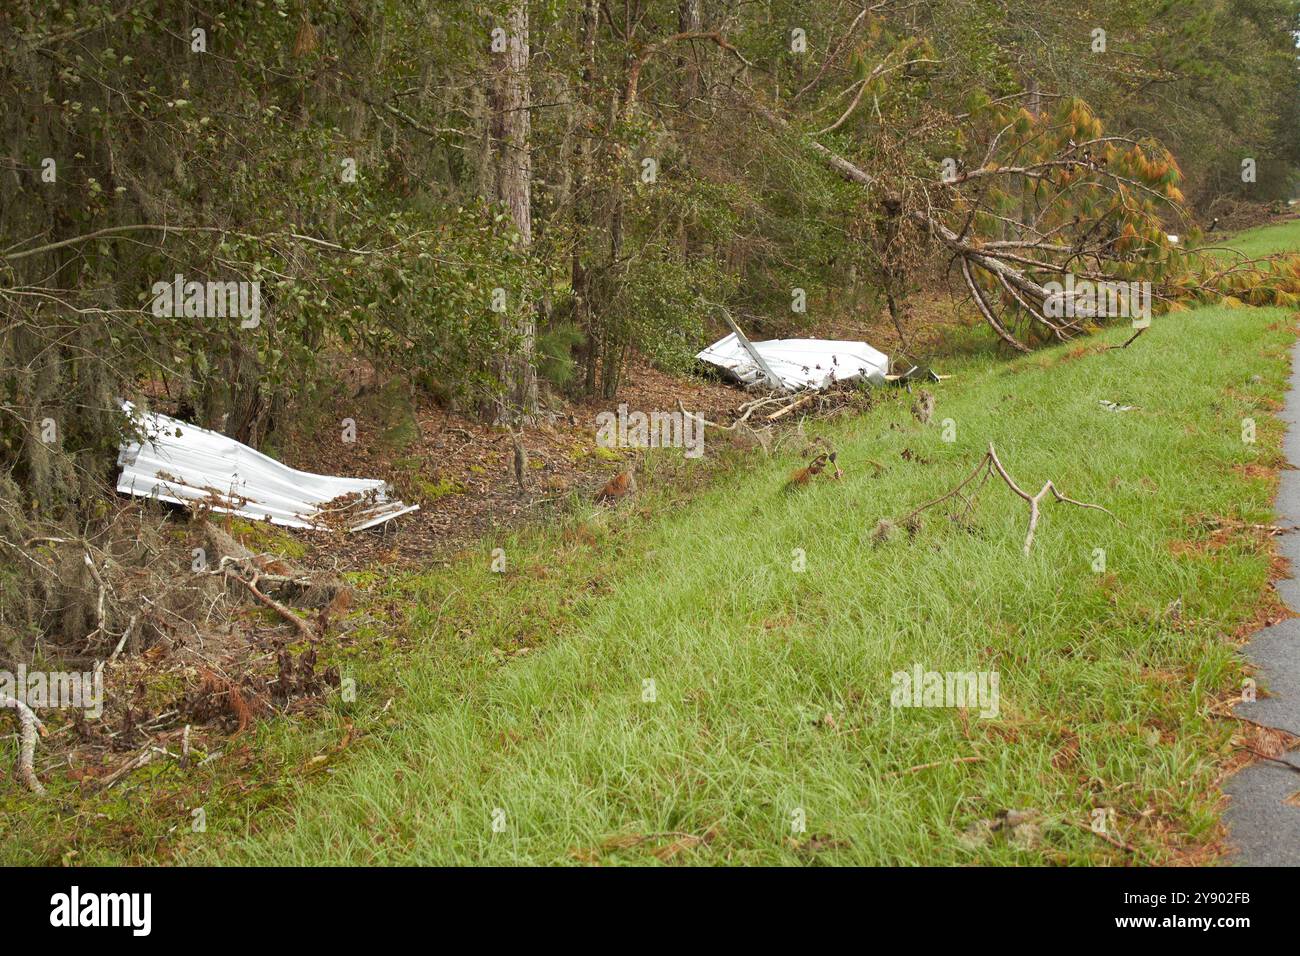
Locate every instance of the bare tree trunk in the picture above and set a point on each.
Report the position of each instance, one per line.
(611, 339)
(690, 19)
(582, 193)
(511, 118)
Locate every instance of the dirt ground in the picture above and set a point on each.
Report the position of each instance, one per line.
(461, 471)
(205, 659)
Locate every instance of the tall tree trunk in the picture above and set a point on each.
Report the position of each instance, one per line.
(582, 200)
(690, 19)
(615, 175)
(511, 120)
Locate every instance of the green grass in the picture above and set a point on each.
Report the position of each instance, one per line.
(773, 687)
(1262, 241)
(523, 691)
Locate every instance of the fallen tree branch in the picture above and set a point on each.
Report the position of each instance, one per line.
(116, 231)
(301, 625)
(1255, 723)
(126, 636)
(29, 724)
(990, 464)
(1047, 254)
(750, 408)
(932, 765)
(99, 607)
(1131, 338)
(955, 492)
(800, 403)
(1278, 760)
(135, 763)
(1035, 499)
(987, 311)
(1101, 835)
(738, 423)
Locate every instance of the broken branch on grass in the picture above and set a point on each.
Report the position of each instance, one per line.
(990, 464)
(792, 406)
(787, 401)
(1034, 500)
(1255, 723)
(738, 423)
(28, 724)
(135, 763)
(1127, 343)
(982, 466)
(930, 766)
(226, 568)
(1102, 835)
(299, 624)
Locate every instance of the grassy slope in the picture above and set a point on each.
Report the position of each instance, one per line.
(1265, 240)
(1105, 701)
(523, 691)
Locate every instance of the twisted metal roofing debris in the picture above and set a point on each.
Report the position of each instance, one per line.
(798, 363)
(185, 464)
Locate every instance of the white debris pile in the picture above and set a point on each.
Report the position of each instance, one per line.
(797, 364)
(185, 464)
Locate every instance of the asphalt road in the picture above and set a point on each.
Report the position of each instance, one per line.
(1263, 830)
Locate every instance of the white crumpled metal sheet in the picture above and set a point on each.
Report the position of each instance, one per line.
(182, 463)
(800, 363)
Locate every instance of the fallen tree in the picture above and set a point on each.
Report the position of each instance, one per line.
(1051, 230)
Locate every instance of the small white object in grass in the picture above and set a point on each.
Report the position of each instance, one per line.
(1112, 407)
(1173, 240)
